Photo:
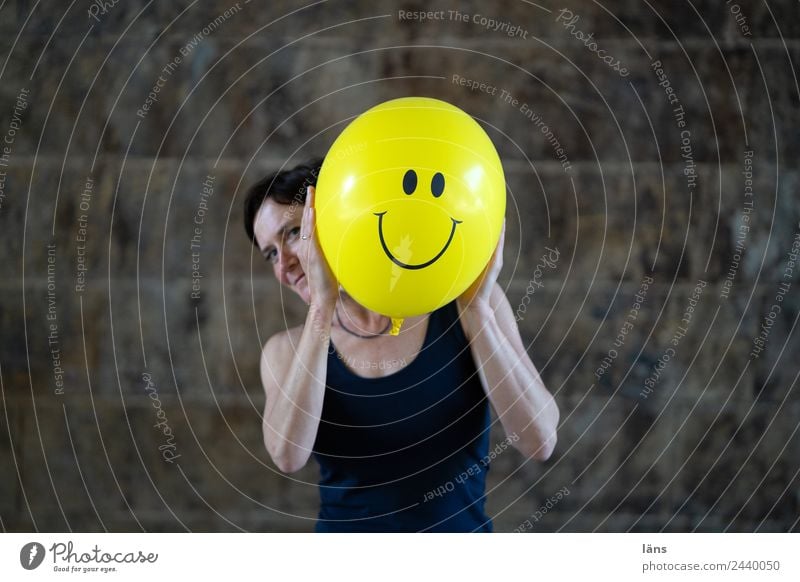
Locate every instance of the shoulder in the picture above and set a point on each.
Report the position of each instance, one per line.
(282, 343)
(278, 351)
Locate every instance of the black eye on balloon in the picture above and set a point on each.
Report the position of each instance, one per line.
(437, 184)
(410, 182)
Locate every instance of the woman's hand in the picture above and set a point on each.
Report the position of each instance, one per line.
(322, 286)
(478, 294)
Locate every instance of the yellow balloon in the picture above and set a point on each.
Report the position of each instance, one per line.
(410, 204)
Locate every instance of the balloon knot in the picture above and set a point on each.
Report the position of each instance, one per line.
(397, 323)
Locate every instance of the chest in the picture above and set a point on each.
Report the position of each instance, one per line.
(436, 397)
(380, 356)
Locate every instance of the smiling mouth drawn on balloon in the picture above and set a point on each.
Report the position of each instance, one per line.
(400, 263)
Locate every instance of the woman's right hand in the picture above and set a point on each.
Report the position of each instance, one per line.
(322, 285)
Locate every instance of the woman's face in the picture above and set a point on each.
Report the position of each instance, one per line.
(277, 233)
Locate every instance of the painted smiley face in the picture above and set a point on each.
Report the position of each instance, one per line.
(409, 187)
(410, 204)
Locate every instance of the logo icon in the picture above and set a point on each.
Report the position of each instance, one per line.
(31, 555)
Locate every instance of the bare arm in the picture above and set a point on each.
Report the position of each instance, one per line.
(512, 383)
(293, 376)
(293, 371)
(524, 405)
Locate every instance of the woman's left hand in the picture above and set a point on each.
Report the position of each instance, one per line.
(477, 295)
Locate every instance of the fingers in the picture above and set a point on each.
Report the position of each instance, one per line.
(501, 244)
(502, 241)
(304, 224)
(312, 221)
(309, 216)
(497, 256)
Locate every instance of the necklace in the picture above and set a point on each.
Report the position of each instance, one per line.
(351, 332)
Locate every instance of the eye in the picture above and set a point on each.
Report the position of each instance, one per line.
(294, 233)
(410, 182)
(271, 256)
(437, 184)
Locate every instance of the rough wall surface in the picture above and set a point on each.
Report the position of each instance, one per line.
(651, 146)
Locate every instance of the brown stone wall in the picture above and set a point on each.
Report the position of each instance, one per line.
(711, 443)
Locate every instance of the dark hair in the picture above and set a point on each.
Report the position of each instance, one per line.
(286, 187)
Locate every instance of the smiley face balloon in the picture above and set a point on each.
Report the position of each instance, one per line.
(410, 205)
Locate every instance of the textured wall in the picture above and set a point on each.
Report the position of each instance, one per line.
(101, 186)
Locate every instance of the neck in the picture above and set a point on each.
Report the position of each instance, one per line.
(358, 318)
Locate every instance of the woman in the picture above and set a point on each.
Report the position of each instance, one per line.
(399, 424)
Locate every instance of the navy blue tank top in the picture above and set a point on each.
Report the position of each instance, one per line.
(405, 453)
